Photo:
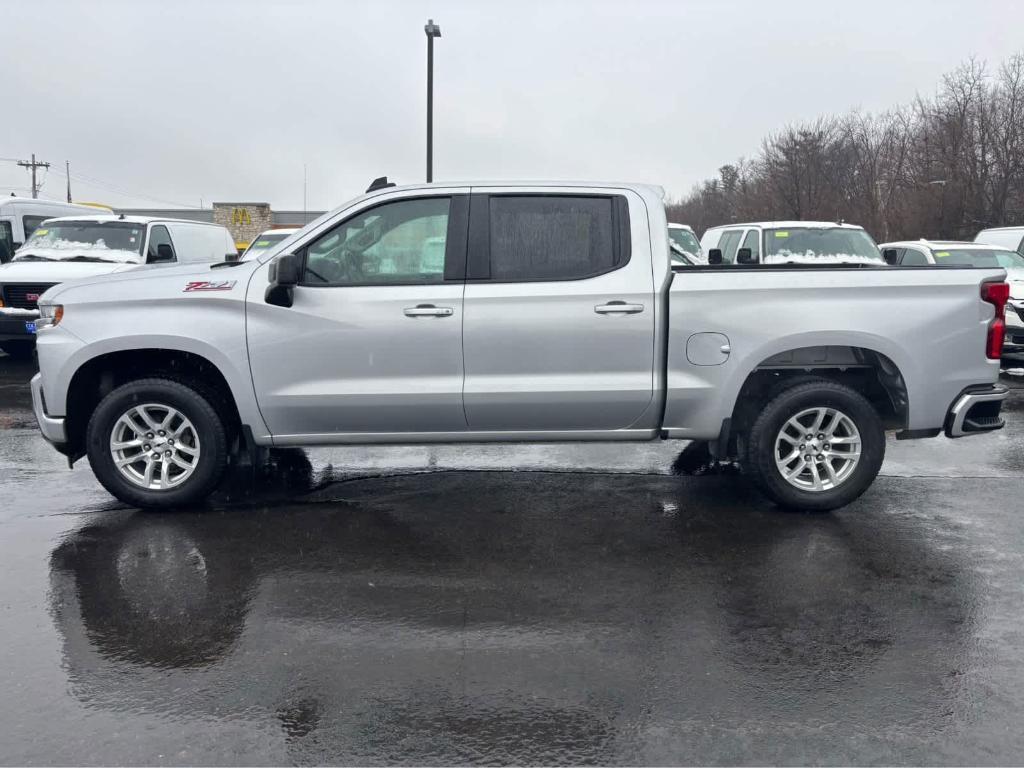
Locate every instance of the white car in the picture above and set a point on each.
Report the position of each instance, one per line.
(790, 242)
(267, 240)
(1008, 237)
(683, 237)
(19, 216)
(920, 253)
(74, 247)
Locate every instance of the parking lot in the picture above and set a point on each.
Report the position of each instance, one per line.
(497, 604)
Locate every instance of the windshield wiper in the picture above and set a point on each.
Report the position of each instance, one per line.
(33, 257)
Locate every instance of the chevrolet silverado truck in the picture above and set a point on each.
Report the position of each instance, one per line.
(483, 312)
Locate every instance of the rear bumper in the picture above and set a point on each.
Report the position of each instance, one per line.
(53, 429)
(976, 411)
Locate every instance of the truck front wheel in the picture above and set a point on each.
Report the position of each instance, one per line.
(157, 443)
(816, 446)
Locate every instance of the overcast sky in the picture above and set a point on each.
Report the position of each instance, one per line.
(181, 100)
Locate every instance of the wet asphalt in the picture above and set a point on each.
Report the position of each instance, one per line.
(528, 604)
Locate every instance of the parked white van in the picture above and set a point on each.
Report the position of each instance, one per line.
(19, 216)
(1011, 238)
(74, 247)
(790, 242)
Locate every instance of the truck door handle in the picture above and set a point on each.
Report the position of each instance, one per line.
(428, 310)
(618, 308)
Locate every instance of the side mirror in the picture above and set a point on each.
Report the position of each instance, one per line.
(233, 256)
(284, 276)
(890, 255)
(715, 256)
(744, 256)
(164, 254)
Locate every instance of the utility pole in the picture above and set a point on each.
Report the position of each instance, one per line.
(432, 30)
(67, 173)
(33, 165)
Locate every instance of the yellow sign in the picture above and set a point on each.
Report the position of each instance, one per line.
(240, 216)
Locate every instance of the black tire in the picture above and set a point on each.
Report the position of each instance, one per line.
(759, 462)
(19, 350)
(197, 408)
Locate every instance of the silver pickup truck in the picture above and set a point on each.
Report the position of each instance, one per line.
(485, 312)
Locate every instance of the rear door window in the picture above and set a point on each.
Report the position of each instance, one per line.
(555, 237)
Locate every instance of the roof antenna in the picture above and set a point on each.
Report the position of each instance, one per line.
(379, 183)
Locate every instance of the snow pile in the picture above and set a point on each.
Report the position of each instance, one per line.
(810, 257)
(61, 250)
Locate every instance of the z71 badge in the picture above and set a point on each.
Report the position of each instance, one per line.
(207, 285)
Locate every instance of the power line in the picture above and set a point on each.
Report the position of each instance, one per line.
(92, 181)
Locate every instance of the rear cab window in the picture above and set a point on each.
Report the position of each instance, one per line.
(547, 237)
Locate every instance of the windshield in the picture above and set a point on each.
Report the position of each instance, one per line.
(264, 243)
(685, 239)
(804, 244)
(117, 241)
(978, 257)
(679, 256)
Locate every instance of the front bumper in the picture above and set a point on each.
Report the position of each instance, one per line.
(53, 429)
(13, 328)
(1013, 339)
(976, 410)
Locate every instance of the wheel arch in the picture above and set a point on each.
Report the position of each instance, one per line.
(867, 369)
(103, 371)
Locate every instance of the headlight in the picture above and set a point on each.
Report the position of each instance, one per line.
(49, 315)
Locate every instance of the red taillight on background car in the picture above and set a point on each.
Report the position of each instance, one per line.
(996, 294)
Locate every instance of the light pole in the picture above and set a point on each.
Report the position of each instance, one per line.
(432, 31)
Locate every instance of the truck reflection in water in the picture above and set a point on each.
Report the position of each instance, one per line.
(518, 617)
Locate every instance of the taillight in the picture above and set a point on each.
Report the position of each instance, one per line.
(996, 294)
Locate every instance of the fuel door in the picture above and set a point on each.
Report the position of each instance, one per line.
(708, 348)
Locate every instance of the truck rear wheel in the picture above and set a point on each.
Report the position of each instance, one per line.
(816, 446)
(157, 443)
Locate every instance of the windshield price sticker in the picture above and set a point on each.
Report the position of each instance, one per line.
(782, 234)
